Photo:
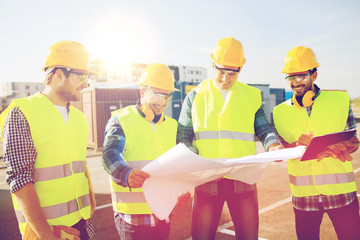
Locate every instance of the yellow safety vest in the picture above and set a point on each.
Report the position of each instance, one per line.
(144, 143)
(225, 129)
(59, 173)
(329, 114)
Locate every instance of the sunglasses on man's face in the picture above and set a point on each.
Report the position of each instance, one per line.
(298, 78)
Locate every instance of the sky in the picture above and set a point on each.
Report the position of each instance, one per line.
(185, 33)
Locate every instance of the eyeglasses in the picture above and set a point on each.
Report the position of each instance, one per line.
(298, 78)
(82, 76)
(160, 96)
(229, 72)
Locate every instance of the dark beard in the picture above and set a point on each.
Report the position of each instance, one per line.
(299, 100)
(65, 92)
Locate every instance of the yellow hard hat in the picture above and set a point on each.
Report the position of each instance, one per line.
(300, 59)
(68, 54)
(229, 51)
(158, 75)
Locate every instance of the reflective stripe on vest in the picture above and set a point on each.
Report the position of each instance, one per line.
(323, 179)
(329, 114)
(59, 170)
(60, 209)
(145, 141)
(50, 173)
(225, 128)
(225, 135)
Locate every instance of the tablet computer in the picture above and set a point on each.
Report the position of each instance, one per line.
(319, 143)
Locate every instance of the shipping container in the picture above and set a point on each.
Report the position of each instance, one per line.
(279, 95)
(179, 96)
(288, 94)
(97, 105)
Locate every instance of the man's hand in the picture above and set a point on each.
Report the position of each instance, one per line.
(65, 232)
(137, 178)
(183, 199)
(275, 147)
(29, 234)
(305, 139)
(340, 151)
(29, 203)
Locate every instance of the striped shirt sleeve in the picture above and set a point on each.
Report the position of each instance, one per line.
(351, 122)
(263, 130)
(19, 150)
(113, 154)
(185, 133)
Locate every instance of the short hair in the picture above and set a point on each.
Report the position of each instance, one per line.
(52, 72)
(313, 70)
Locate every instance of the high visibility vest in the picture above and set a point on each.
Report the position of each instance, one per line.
(328, 115)
(225, 128)
(59, 173)
(144, 143)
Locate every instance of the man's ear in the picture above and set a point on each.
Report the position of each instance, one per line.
(48, 78)
(314, 76)
(59, 76)
(142, 92)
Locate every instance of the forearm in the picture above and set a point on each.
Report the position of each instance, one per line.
(115, 166)
(271, 141)
(351, 124)
(265, 133)
(185, 135)
(112, 157)
(29, 203)
(185, 132)
(19, 151)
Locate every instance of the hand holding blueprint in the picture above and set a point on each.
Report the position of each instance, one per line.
(179, 170)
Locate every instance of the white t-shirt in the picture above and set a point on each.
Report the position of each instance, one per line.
(64, 112)
(224, 93)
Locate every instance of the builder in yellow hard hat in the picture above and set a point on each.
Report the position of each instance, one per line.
(327, 182)
(134, 136)
(45, 141)
(223, 116)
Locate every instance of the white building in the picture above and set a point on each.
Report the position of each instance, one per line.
(121, 75)
(268, 100)
(12, 90)
(128, 74)
(189, 73)
(20, 89)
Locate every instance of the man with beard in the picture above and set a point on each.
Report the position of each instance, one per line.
(326, 184)
(45, 141)
(134, 136)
